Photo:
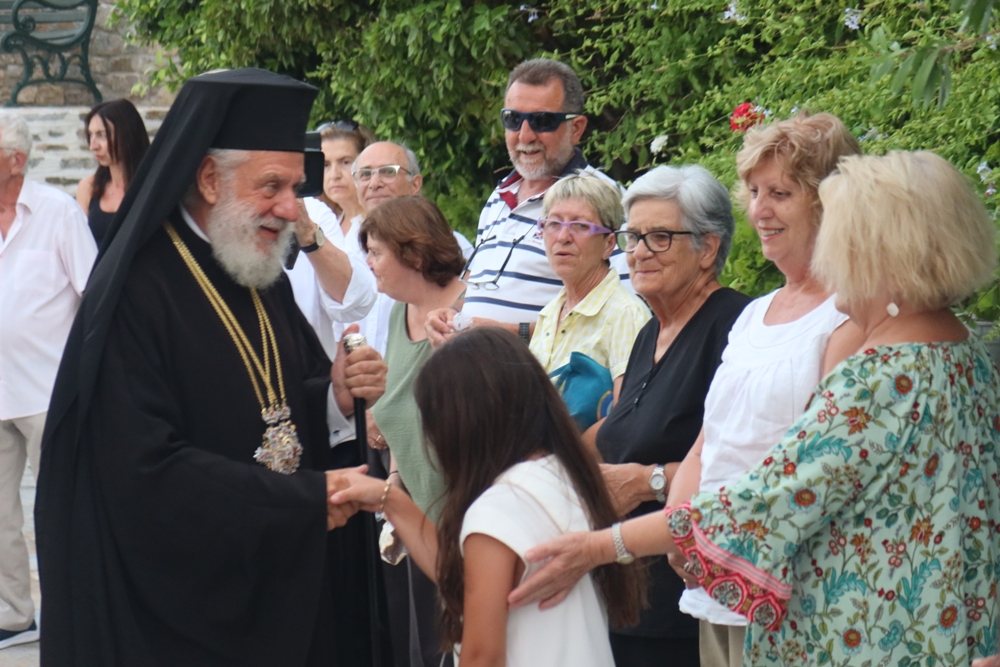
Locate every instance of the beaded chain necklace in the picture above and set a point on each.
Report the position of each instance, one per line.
(280, 450)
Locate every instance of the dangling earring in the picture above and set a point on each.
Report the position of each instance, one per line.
(892, 309)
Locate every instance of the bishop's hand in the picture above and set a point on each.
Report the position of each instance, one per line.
(360, 374)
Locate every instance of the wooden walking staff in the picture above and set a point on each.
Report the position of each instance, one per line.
(352, 342)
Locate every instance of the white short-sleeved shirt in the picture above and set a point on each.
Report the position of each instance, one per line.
(529, 504)
(767, 375)
(45, 261)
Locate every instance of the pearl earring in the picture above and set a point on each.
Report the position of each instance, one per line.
(892, 309)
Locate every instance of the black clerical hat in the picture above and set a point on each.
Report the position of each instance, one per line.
(266, 111)
(248, 109)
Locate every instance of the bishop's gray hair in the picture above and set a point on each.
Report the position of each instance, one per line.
(227, 161)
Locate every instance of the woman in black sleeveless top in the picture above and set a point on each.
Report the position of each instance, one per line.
(118, 139)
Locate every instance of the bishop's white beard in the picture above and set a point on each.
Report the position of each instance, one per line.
(232, 229)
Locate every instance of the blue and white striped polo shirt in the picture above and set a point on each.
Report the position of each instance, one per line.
(507, 228)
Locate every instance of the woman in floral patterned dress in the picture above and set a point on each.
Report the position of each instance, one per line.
(869, 534)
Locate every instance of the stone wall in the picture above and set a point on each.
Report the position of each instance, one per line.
(115, 65)
(59, 155)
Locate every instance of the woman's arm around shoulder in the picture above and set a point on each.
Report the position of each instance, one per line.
(491, 571)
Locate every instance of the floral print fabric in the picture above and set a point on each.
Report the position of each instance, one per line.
(869, 535)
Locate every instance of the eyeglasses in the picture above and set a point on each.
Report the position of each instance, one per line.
(538, 121)
(386, 172)
(490, 284)
(576, 227)
(658, 240)
(344, 125)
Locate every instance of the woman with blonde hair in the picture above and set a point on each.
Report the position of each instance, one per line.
(781, 345)
(869, 529)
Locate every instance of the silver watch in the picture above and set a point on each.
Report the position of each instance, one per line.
(622, 556)
(658, 483)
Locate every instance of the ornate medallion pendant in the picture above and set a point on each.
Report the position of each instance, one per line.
(280, 450)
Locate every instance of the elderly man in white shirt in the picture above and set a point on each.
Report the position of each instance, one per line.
(46, 253)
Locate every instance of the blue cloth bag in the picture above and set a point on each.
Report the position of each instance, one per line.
(586, 388)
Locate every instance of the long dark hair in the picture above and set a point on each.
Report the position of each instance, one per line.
(127, 141)
(487, 404)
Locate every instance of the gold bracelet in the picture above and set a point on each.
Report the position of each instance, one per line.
(385, 496)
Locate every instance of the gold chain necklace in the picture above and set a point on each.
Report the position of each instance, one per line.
(280, 450)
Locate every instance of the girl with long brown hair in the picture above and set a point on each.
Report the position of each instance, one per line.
(516, 475)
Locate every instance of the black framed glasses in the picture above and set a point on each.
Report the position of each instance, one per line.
(538, 121)
(386, 172)
(491, 283)
(658, 240)
(345, 125)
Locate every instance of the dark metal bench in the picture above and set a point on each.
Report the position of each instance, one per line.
(51, 36)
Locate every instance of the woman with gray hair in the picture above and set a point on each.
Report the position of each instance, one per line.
(680, 228)
(778, 349)
(593, 314)
(867, 531)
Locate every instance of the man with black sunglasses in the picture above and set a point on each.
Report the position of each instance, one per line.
(508, 276)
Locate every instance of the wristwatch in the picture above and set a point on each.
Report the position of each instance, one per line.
(318, 243)
(622, 556)
(658, 483)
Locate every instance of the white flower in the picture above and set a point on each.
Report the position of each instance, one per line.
(983, 170)
(852, 17)
(990, 191)
(655, 5)
(872, 133)
(992, 41)
(733, 14)
(658, 144)
(761, 110)
(530, 11)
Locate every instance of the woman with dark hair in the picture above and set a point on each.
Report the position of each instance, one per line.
(527, 479)
(117, 137)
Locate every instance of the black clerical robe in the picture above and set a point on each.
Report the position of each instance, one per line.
(200, 555)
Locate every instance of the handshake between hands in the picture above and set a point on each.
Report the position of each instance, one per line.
(349, 490)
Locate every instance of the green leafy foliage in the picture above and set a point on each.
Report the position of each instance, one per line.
(431, 73)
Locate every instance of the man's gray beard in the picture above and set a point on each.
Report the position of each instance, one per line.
(552, 167)
(232, 229)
